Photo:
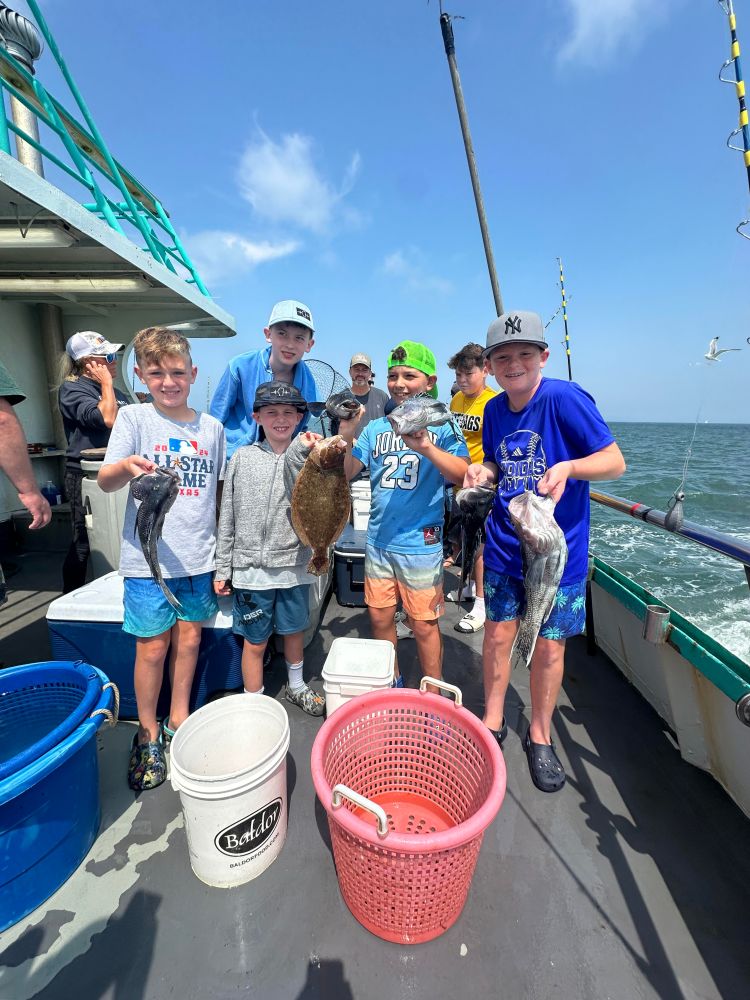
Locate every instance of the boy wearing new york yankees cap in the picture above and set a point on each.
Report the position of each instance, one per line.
(546, 436)
(289, 335)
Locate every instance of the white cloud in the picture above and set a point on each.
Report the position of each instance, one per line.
(600, 27)
(408, 266)
(219, 255)
(283, 184)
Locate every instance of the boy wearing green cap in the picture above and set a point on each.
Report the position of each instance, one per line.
(404, 549)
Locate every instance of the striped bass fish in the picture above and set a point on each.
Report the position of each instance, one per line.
(544, 554)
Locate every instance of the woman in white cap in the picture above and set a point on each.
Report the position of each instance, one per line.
(89, 403)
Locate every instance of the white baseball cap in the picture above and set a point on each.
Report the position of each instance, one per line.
(88, 344)
(291, 311)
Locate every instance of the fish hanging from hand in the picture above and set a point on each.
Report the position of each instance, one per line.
(156, 491)
(321, 501)
(544, 554)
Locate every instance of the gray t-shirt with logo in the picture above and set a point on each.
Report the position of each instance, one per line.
(195, 450)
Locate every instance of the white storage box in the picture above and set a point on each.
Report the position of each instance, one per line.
(356, 666)
(361, 494)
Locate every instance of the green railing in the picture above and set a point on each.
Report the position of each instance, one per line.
(118, 198)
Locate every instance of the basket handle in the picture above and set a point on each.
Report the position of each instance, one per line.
(111, 717)
(450, 688)
(341, 792)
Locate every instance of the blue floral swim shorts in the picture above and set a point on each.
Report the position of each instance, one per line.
(505, 600)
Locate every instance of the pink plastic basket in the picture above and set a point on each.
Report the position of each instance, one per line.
(410, 782)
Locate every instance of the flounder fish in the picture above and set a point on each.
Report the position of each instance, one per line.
(474, 504)
(419, 412)
(156, 491)
(544, 554)
(321, 501)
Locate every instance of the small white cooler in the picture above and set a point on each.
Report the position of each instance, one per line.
(356, 666)
(361, 491)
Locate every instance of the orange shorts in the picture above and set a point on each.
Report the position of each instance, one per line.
(414, 577)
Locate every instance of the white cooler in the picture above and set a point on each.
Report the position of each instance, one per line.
(361, 493)
(354, 667)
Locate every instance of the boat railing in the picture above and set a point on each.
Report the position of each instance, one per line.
(723, 668)
(718, 541)
(80, 152)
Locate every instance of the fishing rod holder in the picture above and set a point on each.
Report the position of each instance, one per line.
(656, 626)
(742, 708)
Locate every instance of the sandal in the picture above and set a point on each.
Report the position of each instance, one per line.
(547, 772)
(500, 734)
(469, 624)
(167, 734)
(147, 767)
(306, 699)
(449, 561)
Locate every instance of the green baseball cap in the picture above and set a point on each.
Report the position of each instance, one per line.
(414, 355)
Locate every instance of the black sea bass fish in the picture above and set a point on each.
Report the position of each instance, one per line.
(340, 406)
(419, 412)
(474, 505)
(544, 553)
(157, 491)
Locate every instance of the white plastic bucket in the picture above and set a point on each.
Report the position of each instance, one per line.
(228, 762)
(354, 667)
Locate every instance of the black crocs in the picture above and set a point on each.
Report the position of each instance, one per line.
(547, 772)
(500, 734)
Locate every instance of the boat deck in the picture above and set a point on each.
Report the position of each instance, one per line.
(630, 883)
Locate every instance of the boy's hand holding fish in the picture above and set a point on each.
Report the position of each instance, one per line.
(113, 477)
(478, 474)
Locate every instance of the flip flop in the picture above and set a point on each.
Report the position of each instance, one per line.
(469, 624)
(545, 768)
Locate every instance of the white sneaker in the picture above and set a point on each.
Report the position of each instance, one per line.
(467, 594)
(402, 629)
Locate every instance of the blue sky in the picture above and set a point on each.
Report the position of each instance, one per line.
(312, 150)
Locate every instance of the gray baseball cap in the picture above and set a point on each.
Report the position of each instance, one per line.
(515, 328)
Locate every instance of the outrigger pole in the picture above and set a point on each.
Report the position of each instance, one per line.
(743, 128)
(565, 319)
(450, 51)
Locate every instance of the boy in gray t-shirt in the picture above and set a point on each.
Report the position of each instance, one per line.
(169, 434)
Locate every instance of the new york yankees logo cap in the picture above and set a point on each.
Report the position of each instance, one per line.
(515, 327)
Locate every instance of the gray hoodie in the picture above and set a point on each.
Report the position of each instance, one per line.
(255, 525)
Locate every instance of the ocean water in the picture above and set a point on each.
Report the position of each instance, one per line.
(704, 586)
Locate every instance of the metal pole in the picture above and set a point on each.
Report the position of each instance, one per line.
(20, 39)
(450, 51)
(565, 319)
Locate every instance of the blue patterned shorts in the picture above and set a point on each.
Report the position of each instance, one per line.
(505, 600)
(149, 613)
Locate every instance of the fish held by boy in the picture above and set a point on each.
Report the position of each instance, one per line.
(157, 491)
(544, 554)
(340, 406)
(419, 412)
(321, 501)
(474, 504)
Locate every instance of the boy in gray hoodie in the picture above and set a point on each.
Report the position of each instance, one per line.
(257, 549)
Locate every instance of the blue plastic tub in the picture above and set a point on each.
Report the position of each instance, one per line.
(50, 812)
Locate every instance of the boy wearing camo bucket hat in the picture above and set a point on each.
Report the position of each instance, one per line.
(546, 436)
(404, 548)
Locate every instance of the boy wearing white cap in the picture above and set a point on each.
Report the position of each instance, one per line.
(546, 436)
(289, 335)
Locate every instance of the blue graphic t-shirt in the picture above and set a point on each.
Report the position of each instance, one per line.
(560, 423)
(407, 507)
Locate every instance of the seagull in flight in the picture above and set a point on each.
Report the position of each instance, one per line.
(715, 352)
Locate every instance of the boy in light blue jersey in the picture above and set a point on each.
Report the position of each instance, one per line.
(290, 336)
(404, 549)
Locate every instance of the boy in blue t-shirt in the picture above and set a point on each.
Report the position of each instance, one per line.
(290, 336)
(404, 549)
(545, 435)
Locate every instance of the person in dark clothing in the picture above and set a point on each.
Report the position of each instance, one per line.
(89, 403)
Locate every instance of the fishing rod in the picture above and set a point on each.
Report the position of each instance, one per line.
(743, 128)
(565, 319)
(450, 50)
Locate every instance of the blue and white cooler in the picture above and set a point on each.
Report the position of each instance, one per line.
(87, 625)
